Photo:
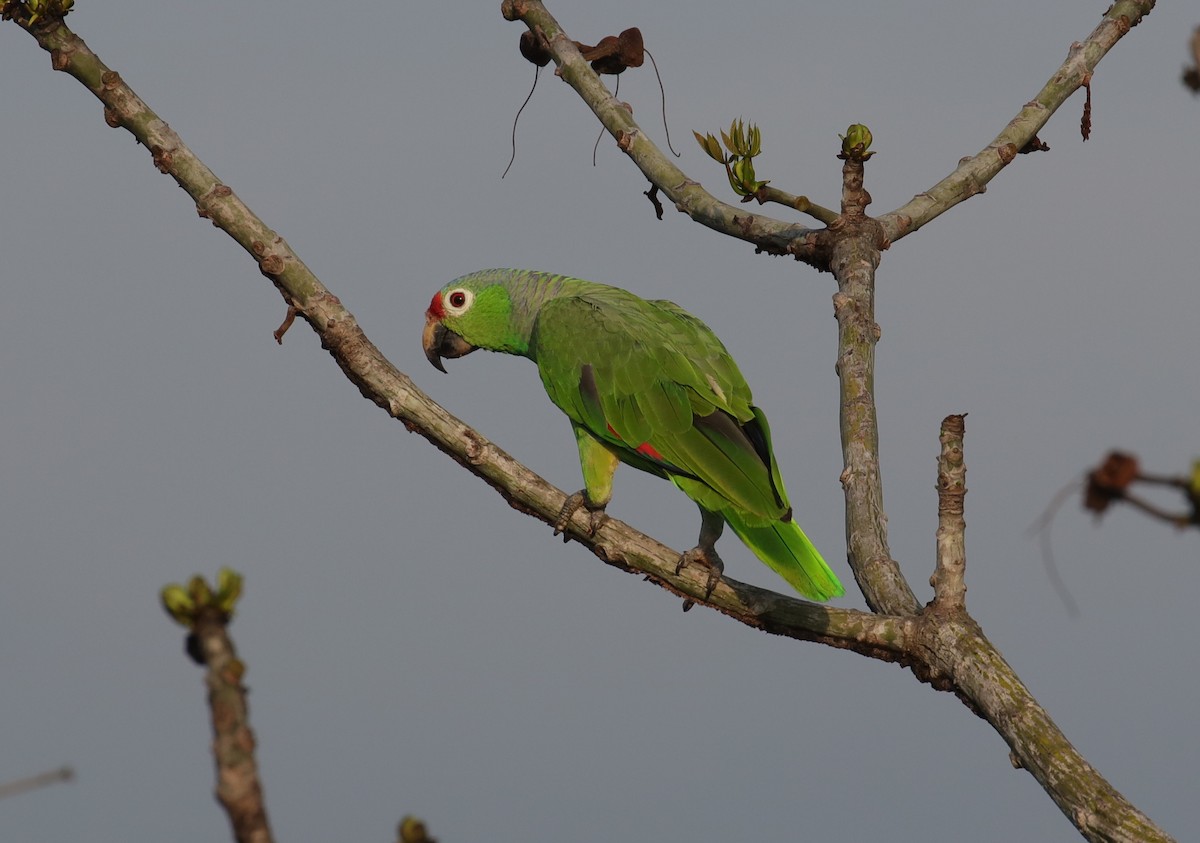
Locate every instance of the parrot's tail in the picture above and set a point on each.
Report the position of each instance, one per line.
(783, 546)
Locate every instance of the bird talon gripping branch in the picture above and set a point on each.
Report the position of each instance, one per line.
(596, 514)
(707, 558)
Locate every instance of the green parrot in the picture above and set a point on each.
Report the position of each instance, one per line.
(643, 383)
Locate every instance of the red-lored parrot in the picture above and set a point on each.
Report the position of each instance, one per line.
(647, 384)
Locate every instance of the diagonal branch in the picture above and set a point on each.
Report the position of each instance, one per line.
(959, 654)
(972, 174)
(12, 788)
(380, 382)
(802, 204)
(767, 234)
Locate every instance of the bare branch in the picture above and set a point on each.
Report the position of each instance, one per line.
(768, 234)
(1191, 74)
(949, 586)
(972, 174)
(855, 256)
(962, 657)
(797, 203)
(206, 611)
(969, 178)
(1111, 482)
(62, 774)
(238, 787)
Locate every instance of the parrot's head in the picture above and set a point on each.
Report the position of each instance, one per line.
(472, 312)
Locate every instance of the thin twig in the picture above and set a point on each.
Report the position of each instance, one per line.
(798, 203)
(596, 145)
(1041, 528)
(62, 774)
(536, 71)
(663, 92)
(1175, 519)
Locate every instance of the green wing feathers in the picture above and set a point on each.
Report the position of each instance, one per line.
(652, 384)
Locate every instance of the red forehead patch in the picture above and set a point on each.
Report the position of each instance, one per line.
(435, 306)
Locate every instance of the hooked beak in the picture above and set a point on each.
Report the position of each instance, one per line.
(439, 342)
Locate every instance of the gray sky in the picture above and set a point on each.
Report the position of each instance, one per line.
(416, 646)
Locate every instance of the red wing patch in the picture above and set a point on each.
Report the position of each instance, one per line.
(645, 449)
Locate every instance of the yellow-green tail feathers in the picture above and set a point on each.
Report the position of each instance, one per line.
(784, 548)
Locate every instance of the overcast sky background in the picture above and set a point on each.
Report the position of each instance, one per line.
(413, 644)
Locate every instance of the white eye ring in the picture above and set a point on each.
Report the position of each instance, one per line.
(458, 301)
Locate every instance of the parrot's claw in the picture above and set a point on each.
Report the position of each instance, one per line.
(705, 557)
(569, 507)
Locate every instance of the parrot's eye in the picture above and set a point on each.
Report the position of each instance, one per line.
(459, 300)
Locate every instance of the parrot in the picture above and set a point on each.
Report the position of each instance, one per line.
(643, 383)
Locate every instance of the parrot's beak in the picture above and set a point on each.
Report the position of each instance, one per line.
(440, 342)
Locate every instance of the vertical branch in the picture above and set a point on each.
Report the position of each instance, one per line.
(214, 200)
(949, 584)
(238, 787)
(857, 240)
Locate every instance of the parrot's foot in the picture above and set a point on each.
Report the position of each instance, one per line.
(573, 503)
(705, 557)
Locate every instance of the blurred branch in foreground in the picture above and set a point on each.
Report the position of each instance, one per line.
(1191, 75)
(413, 830)
(1112, 480)
(207, 612)
(1108, 483)
(62, 774)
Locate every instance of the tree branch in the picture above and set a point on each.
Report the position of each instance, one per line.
(12, 788)
(380, 382)
(238, 788)
(969, 178)
(857, 240)
(767, 234)
(972, 174)
(948, 581)
(958, 654)
(797, 203)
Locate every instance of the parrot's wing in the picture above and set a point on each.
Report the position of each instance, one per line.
(654, 383)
